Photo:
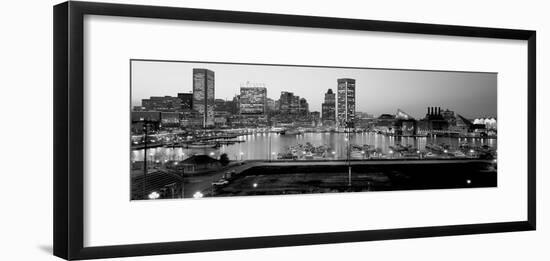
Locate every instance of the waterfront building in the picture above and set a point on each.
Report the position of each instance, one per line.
(328, 109)
(433, 121)
(285, 102)
(203, 95)
(191, 119)
(295, 105)
(449, 116)
(405, 124)
(346, 102)
(385, 123)
(145, 116)
(186, 100)
(316, 117)
(271, 105)
(220, 118)
(253, 98)
(199, 164)
(221, 105)
(161, 103)
(170, 119)
(235, 106)
(363, 115)
(489, 122)
(303, 108)
(248, 120)
(462, 125)
(140, 118)
(138, 108)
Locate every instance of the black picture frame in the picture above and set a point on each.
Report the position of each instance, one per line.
(69, 129)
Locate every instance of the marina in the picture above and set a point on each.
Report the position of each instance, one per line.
(320, 146)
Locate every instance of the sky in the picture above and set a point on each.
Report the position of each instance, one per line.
(378, 91)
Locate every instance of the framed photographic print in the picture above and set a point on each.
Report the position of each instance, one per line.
(185, 130)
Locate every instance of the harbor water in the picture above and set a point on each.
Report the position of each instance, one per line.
(266, 146)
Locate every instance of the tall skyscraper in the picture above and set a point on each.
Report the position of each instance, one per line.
(295, 104)
(203, 95)
(253, 98)
(346, 101)
(328, 109)
(285, 102)
(304, 107)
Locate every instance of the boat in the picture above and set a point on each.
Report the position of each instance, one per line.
(201, 145)
(430, 155)
(292, 132)
(435, 148)
(458, 154)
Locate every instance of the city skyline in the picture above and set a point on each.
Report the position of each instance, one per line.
(209, 141)
(472, 94)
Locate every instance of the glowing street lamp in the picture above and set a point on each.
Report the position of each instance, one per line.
(198, 194)
(154, 195)
(255, 185)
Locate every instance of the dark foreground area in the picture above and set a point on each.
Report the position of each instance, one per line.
(302, 179)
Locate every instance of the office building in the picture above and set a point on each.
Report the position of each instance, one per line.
(203, 95)
(346, 102)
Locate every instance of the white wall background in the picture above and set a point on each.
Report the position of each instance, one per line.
(26, 129)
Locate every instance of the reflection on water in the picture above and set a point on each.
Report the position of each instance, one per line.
(265, 146)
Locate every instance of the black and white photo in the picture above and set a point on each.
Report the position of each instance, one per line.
(214, 129)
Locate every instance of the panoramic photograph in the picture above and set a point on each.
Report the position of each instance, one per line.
(214, 129)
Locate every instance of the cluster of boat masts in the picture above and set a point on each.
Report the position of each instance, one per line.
(309, 151)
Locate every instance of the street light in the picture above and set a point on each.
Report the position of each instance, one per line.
(255, 185)
(154, 195)
(198, 194)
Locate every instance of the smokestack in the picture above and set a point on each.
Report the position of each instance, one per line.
(438, 110)
(432, 112)
(428, 110)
